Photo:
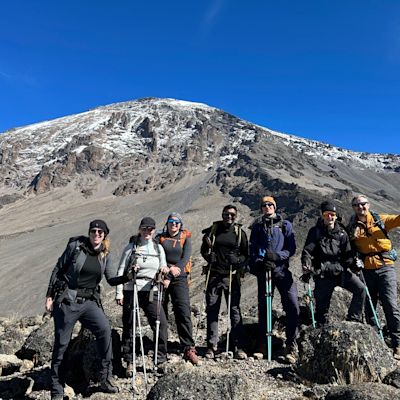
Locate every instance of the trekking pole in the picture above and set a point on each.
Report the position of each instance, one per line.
(228, 318)
(159, 301)
(269, 313)
(309, 294)
(203, 302)
(378, 324)
(136, 317)
(268, 298)
(308, 297)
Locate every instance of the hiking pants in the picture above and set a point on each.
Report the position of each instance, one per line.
(218, 284)
(178, 291)
(323, 291)
(92, 317)
(382, 285)
(287, 289)
(150, 310)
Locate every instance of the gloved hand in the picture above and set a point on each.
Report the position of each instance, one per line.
(305, 277)
(232, 259)
(307, 269)
(268, 265)
(131, 272)
(358, 264)
(211, 258)
(271, 256)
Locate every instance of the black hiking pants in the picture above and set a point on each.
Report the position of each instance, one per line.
(150, 310)
(218, 284)
(323, 291)
(178, 291)
(92, 317)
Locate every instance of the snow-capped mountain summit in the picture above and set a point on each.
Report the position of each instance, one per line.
(150, 143)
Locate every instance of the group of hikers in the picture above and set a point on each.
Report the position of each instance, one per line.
(154, 269)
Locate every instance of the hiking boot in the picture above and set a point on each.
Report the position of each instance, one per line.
(260, 351)
(107, 387)
(191, 355)
(210, 353)
(290, 354)
(240, 354)
(396, 353)
(129, 369)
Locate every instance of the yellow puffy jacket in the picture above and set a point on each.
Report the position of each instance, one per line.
(370, 240)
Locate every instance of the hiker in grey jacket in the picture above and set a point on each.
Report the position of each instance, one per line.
(148, 259)
(73, 295)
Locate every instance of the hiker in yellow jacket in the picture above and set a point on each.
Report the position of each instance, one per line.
(369, 237)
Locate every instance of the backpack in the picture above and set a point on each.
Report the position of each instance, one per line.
(188, 267)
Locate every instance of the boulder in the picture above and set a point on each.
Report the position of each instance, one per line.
(343, 352)
(16, 388)
(393, 378)
(39, 344)
(9, 363)
(363, 391)
(198, 385)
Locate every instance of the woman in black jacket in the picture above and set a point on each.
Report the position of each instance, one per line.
(73, 295)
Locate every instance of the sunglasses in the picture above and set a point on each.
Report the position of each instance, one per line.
(147, 228)
(327, 214)
(229, 214)
(362, 204)
(173, 221)
(267, 204)
(98, 231)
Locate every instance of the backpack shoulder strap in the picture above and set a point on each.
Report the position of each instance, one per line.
(238, 233)
(378, 222)
(213, 231)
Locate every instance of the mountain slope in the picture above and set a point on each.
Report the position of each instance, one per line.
(149, 157)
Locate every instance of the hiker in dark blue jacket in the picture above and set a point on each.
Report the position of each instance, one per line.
(272, 243)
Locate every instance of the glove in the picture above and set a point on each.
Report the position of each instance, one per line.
(271, 256)
(358, 264)
(269, 265)
(232, 259)
(307, 269)
(211, 258)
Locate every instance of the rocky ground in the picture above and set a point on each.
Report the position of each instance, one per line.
(335, 362)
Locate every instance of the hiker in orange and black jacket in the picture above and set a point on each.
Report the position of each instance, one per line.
(178, 256)
(368, 235)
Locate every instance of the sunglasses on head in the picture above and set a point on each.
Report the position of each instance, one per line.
(99, 231)
(174, 221)
(267, 204)
(229, 214)
(361, 203)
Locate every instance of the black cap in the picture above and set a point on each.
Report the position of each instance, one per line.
(100, 224)
(148, 221)
(327, 206)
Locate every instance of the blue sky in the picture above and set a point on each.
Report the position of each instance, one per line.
(325, 70)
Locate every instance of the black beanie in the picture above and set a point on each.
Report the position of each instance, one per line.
(148, 221)
(100, 224)
(327, 206)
